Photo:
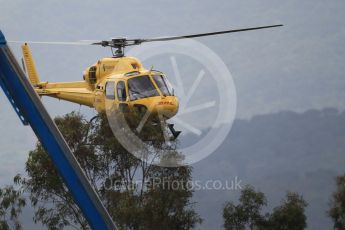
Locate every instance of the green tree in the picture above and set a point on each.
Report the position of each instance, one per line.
(337, 209)
(54, 206)
(290, 214)
(167, 199)
(11, 204)
(115, 174)
(247, 214)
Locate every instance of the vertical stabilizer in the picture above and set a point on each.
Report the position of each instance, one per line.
(30, 65)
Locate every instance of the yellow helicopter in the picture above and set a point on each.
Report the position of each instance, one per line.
(120, 80)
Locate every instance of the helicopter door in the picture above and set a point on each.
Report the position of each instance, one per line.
(122, 96)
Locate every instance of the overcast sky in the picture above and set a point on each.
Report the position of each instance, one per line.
(297, 67)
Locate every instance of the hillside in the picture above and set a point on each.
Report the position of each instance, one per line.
(276, 153)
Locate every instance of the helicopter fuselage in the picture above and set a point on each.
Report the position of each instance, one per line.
(115, 82)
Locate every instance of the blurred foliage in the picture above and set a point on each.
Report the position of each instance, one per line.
(247, 214)
(11, 204)
(290, 214)
(114, 173)
(337, 209)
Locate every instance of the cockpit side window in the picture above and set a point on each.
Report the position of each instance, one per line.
(110, 90)
(163, 85)
(121, 91)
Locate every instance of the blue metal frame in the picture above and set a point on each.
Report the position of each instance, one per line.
(30, 110)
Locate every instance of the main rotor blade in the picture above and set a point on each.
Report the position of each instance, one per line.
(52, 43)
(123, 42)
(203, 34)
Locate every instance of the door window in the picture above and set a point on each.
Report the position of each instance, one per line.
(121, 91)
(110, 90)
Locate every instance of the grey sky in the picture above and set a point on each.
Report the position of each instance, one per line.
(297, 67)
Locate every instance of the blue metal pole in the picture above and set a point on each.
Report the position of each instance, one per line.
(31, 111)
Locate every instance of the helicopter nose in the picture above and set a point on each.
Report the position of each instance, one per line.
(167, 106)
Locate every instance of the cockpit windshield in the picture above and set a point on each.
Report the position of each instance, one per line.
(163, 85)
(141, 87)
